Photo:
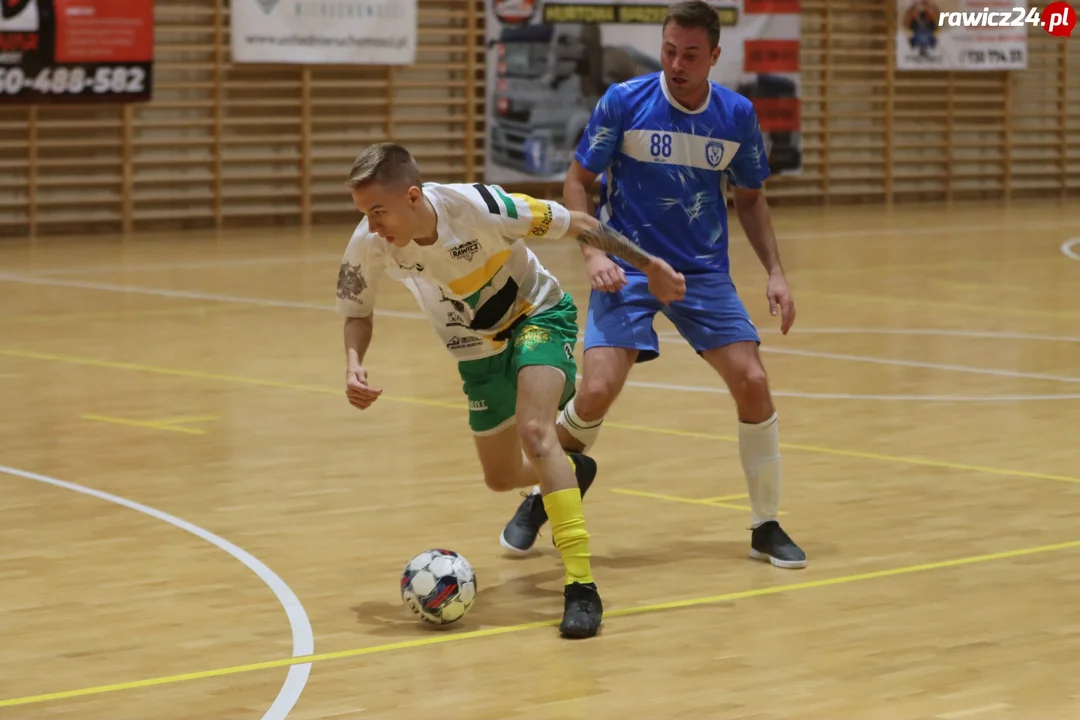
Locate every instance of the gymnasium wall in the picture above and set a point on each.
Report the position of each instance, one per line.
(225, 145)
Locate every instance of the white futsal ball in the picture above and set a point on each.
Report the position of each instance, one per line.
(439, 586)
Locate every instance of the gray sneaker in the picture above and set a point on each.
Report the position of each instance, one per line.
(520, 533)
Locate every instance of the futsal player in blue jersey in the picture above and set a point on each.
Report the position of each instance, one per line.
(664, 142)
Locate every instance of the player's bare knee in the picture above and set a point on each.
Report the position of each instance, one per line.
(751, 393)
(594, 398)
(501, 481)
(538, 438)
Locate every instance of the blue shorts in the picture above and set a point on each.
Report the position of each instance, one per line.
(710, 316)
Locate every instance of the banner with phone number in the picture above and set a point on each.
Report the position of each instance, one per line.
(76, 50)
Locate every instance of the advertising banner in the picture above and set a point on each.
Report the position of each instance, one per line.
(962, 35)
(333, 32)
(76, 50)
(550, 62)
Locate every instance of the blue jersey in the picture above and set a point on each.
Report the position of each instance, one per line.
(662, 168)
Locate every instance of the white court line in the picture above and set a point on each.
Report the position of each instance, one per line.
(926, 365)
(667, 336)
(286, 259)
(1067, 248)
(674, 337)
(303, 639)
(188, 265)
(985, 334)
(720, 389)
(183, 294)
(921, 230)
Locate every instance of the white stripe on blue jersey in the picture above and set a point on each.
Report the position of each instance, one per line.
(663, 164)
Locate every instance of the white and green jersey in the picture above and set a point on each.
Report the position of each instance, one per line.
(476, 280)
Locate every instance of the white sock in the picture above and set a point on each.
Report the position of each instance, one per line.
(584, 431)
(525, 462)
(759, 450)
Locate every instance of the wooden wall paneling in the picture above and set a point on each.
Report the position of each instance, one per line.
(1072, 119)
(471, 38)
(1063, 112)
(220, 51)
(305, 146)
(977, 136)
(855, 118)
(1007, 90)
(920, 161)
(430, 98)
(18, 145)
(79, 168)
(823, 124)
(127, 184)
(350, 109)
(261, 143)
(890, 100)
(174, 148)
(1037, 122)
(31, 170)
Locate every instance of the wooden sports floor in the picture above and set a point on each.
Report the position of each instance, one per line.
(195, 524)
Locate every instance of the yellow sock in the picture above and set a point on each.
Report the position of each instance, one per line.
(571, 537)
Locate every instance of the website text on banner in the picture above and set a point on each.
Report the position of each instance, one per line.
(331, 32)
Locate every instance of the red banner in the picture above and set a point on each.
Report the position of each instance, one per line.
(104, 31)
(778, 115)
(771, 7)
(771, 56)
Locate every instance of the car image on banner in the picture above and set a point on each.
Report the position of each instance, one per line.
(550, 62)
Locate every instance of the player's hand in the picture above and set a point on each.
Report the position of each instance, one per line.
(357, 389)
(666, 284)
(604, 274)
(780, 300)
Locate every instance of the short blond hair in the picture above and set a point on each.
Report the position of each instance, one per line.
(385, 164)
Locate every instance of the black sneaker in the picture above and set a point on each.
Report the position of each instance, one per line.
(520, 533)
(582, 612)
(770, 543)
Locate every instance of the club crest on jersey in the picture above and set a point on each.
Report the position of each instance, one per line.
(714, 153)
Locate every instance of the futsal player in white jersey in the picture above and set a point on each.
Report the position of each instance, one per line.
(664, 142)
(460, 249)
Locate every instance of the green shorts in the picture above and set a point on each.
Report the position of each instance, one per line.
(547, 338)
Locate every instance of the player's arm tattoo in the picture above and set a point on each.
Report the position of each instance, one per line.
(604, 238)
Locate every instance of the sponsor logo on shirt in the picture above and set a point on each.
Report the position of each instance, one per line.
(541, 223)
(466, 250)
(460, 343)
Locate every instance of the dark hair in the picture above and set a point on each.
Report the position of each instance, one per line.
(696, 14)
(385, 164)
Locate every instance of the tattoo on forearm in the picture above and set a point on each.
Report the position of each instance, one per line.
(608, 240)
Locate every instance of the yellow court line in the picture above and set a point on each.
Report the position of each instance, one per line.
(856, 453)
(185, 419)
(721, 498)
(677, 498)
(143, 424)
(256, 382)
(490, 632)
